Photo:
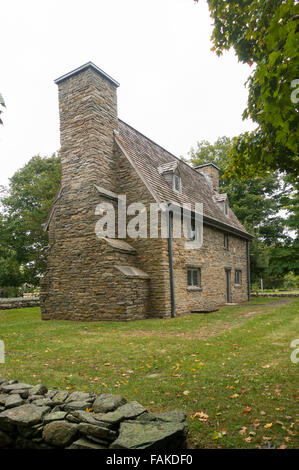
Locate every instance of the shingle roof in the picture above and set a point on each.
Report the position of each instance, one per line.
(147, 156)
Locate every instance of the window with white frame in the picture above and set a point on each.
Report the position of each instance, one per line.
(177, 183)
(194, 277)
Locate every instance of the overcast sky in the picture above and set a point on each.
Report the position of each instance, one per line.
(173, 88)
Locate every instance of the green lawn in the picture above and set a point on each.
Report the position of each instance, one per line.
(231, 369)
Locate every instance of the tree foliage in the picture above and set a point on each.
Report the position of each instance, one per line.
(264, 33)
(22, 239)
(258, 204)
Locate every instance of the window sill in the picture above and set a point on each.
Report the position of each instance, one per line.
(238, 285)
(194, 289)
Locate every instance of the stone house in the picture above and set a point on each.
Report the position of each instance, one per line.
(90, 277)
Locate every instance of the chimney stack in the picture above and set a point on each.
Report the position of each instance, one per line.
(88, 117)
(211, 171)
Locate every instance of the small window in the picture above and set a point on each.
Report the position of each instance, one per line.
(193, 277)
(225, 208)
(225, 241)
(238, 276)
(177, 183)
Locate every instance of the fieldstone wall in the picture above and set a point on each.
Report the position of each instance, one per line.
(151, 253)
(19, 302)
(34, 417)
(212, 259)
(82, 281)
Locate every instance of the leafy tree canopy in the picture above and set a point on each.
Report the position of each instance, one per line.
(30, 195)
(258, 204)
(264, 33)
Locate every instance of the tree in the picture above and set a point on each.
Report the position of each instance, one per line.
(25, 208)
(10, 272)
(264, 33)
(285, 257)
(255, 201)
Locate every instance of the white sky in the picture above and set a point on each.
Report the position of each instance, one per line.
(173, 88)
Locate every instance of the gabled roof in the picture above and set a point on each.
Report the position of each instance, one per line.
(146, 156)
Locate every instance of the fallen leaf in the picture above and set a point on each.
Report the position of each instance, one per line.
(268, 425)
(200, 415)
(246, 410)
(243, 430)
(218, 435)
(248, 439)
(235, 395)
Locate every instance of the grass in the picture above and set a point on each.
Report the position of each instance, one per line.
(233, 366)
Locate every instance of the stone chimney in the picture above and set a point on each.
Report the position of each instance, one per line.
(78, 277)
(88, 117)
(212, 172)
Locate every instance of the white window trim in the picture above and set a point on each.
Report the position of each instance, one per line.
(179, 191)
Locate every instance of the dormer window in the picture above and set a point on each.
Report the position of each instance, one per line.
(177, 184)
(222, 201)
(171, 173)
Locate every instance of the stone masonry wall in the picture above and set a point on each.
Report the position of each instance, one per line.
(151, 253)
(212, 258)
(81, 273)
(19, 302)
(33, 417)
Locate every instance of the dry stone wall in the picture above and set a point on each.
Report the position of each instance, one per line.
(35, 417)
(19, 302)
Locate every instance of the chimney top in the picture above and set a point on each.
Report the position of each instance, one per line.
(207, 164)
(86, 66)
